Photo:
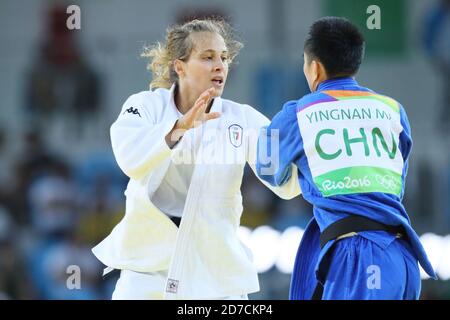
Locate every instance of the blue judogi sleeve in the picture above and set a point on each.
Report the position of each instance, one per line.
(405, 145)
(279, 145)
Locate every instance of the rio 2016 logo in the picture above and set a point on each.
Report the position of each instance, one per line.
(346, 183)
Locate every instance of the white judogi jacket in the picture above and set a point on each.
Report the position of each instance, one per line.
(204, 257)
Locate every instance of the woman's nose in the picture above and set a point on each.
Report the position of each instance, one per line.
(219, 65)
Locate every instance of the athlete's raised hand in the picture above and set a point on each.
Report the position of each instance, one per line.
(193, 118)
(196, 115)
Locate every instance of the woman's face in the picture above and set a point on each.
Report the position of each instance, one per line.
(207, 65)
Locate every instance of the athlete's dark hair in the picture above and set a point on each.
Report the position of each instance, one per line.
(337, 44)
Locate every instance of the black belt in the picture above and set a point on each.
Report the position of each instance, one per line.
(176, 220)
(340, 228)
(355, 224)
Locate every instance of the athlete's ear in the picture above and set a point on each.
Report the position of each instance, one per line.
(315, 74)
(319, 73)
(179, 67)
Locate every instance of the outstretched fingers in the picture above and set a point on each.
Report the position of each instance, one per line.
(202, 102)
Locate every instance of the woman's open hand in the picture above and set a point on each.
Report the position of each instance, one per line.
(193, 118)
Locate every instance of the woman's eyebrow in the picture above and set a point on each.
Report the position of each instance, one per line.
(213, 51)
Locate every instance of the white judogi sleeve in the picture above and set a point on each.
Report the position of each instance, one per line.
(256, 121)
(138, 140)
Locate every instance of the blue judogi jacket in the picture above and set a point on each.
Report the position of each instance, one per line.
(351, 147)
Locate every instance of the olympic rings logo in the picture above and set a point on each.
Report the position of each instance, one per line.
(387, 181)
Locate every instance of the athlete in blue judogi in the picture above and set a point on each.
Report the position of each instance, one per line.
(351, 147)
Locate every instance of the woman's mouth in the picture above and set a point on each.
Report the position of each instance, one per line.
(218, 82)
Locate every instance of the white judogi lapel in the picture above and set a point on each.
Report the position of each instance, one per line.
(193, 200)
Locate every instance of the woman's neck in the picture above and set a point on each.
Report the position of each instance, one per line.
(184, 100)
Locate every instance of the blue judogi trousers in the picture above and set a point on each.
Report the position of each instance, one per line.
(362, 269)
(373, 265)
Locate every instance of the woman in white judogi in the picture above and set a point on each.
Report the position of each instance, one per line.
(184, 149)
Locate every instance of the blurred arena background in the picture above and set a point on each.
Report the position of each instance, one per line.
(61, 191)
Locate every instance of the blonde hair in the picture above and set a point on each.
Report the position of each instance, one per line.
(178, 45)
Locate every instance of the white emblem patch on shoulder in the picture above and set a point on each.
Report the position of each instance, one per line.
(235, 132)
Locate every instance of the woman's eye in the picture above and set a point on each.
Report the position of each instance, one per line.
(208, 58)
(224, 58)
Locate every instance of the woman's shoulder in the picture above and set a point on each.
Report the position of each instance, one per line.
(236, 106)
(243, 107)
(146, 104)
(150, 96)
(149, 101)
(251, 114)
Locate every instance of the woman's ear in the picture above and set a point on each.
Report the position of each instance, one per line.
(178, 66)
